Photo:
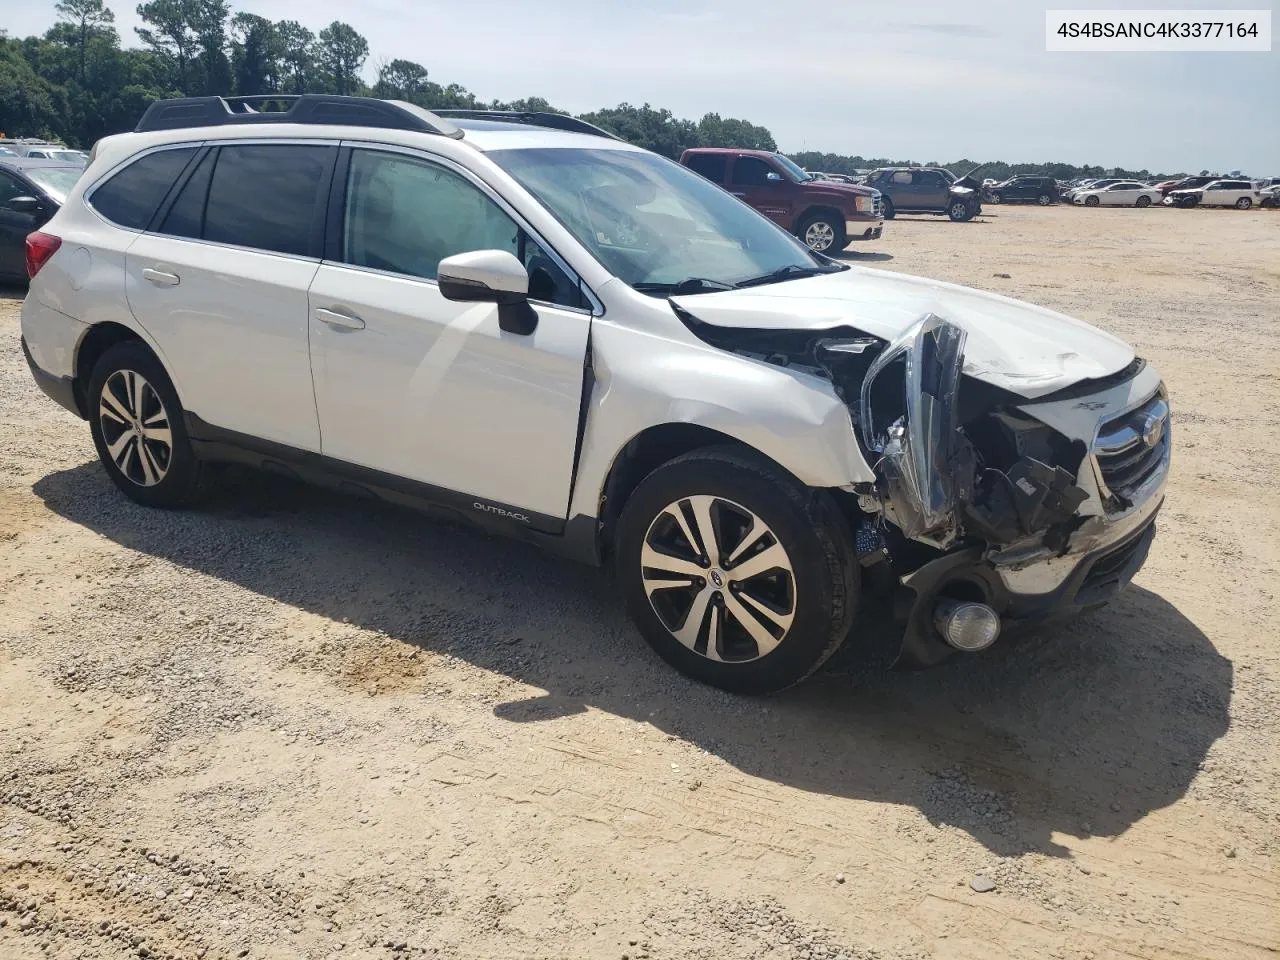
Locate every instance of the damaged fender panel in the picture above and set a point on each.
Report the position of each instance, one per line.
(789, 415)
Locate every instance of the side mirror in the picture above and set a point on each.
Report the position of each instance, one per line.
(25, 205)
(773, 177)
(490, 276)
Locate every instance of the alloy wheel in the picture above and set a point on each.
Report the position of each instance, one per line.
(718, 579)
(819, 235)
(135, 428)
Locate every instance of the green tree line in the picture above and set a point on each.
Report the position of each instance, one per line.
(78, 82)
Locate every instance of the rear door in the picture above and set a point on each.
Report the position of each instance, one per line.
(713, 166)
(221, 283)
(423, 389)
(749, 179)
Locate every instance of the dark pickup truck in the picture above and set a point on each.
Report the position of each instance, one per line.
(825, 214)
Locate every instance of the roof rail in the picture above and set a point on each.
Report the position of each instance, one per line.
(555, 121)
(317, 108)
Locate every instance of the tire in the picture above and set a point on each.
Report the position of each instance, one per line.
(138, 459)
(1244, 203)
(823, 233)
(1092, 202)
(1044, 199)
(995, 198)
(959, 211)
(1143, 201)
(886, 207)
(746, 502)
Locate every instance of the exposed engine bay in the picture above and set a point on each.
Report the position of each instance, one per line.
(956, 461)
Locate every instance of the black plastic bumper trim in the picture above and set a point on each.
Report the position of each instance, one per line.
(61, 390)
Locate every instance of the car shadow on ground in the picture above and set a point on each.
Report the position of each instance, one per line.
(1080, 729)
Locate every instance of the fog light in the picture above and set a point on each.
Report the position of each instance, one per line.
(965, 625)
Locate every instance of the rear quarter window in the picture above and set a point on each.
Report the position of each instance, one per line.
(713, 166)
(130, 198)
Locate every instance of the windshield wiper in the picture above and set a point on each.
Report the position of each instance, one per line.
(792, 271)
(685, 286)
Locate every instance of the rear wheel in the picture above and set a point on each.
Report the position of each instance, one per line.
(1044, 199)
(823, 233)
(137, 426)
(1244, 203)
(1144, 201)
(1092, 201)
(736, 574)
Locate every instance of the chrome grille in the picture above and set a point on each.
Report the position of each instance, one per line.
(1132, 449)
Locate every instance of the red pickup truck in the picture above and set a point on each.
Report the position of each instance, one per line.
(825, 214)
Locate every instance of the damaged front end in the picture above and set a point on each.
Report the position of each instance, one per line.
(986, 508)
(995, 496)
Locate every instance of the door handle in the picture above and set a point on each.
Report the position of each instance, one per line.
(160, 278)
(344, 321)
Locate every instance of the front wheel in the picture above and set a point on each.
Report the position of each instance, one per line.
(887, 209)
(960, 211)
(737, 575)
(823, 233)
(1244, 203)
(995, 198)
(1144, 201)
(1092, 201)
(137, 426)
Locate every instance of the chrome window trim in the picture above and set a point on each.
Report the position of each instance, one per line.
(87, 196)
(597, 306)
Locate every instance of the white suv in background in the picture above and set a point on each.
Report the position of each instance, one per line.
(566, 338)
(1241, 194)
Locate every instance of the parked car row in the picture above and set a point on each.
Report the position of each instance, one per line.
(41, 150)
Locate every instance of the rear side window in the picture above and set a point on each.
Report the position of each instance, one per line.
(186, 217)
(130, 198)
(711, 165)
(267, 196)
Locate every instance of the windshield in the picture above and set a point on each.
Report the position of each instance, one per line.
(55, 181)
(653, 223)
(796, 172)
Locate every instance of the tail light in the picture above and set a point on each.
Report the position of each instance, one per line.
(40, 247)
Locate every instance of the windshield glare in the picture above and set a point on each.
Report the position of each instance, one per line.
(55, 181)
(651, 221)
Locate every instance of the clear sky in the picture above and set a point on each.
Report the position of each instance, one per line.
(918, 79)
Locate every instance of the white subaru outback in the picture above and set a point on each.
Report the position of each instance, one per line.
(523, 321)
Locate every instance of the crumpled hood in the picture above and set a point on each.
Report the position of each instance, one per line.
(1025, 349)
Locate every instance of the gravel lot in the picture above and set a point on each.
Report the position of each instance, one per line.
(294, 725)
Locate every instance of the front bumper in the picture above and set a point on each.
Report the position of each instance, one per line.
(1079, 583)
(863, 229)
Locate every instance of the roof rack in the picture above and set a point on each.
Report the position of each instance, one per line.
(555, 121)
(314, 108)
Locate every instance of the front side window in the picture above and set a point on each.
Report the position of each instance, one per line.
(751, 172)
(130, 197)
(654, 223)
(266, 196)
(405, 215)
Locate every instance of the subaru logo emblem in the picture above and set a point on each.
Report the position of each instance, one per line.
(1153, 431)
(716, 578)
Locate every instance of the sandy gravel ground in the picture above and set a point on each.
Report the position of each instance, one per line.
(292, 725)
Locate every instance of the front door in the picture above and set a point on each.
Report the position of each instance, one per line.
(14, 227)
(428, 390)
(931, 190)
(773, 195)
